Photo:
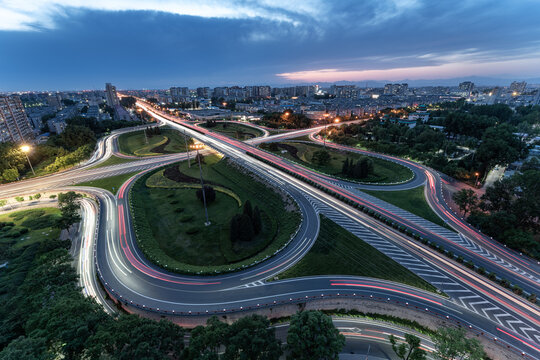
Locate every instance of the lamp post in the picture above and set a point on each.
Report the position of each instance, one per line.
(325, 115)
(476, 181)
(197, 147)
(187, 148)
(26, 149)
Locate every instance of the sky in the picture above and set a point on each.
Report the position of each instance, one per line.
(135, 44)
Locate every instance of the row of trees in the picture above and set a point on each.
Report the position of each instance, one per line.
(509, 210)
(245, 226)
(450, 343)
(151, 131)
(73, 145)
(487, 130)
(287, 120)
(46, 316)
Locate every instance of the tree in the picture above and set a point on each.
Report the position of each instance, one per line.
(363, 168)
(69, 209)
(312, 335)
(248, 209)
(19, 198)
(37, 196)
(209, 193)
(10, 175)
(134, 337)
(321, 157)
(128, 101)
(451, 343)
(466, 200)
(252, 338)
(499, 146)
(241, 228)
(3, 203)
(345, 167)
(206, 340)
(410, 349)
(256, 220)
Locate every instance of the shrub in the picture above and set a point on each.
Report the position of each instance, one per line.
(192, 230)
(186, 218)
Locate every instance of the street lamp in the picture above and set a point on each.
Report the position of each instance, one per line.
(197, 147)
(26, 149)
(476, 181)
(325, 115)
(187, 149)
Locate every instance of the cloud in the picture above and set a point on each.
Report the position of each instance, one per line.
(32, 15)
(523, 67)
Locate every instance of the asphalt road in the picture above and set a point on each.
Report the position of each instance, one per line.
(133, 280)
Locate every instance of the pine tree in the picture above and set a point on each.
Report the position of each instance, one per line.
(248, 209)
(345, 167)
(256, 220)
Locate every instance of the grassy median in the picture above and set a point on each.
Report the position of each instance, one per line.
(237, 131)
(169, 218)
(169, 141)
(383, 171)
(112, 183)
(339, 252)
(412, 200)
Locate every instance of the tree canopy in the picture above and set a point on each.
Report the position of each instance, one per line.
(312, 336)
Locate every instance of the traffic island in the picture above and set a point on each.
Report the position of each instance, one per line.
(249, 220)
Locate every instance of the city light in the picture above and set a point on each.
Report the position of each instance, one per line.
(25, 148)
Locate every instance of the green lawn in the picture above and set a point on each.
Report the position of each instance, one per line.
(338, 252)
(168, 142)
(21, 228)
(172, 218)
(113, 160)
(237, 131)
(383, 171)
(412, 200)
(112, 183)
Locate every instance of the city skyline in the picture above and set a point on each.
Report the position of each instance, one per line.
(67, 44)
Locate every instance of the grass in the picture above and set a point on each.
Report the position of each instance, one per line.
(173, 218)
(21, 228)
(111, 183)
(237, 131)
(339, 252)
(113, 160)
(383, 171)
(168, 142)
(412, 200)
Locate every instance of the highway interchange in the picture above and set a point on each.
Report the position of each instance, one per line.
(109, 248)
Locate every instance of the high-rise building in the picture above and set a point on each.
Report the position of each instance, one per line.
(179, 93)
(203, 92)
(110, 93)
(14, 125)
(344, 91)
(222, 91)
(466, 86)
(396, 89)
(518, 87)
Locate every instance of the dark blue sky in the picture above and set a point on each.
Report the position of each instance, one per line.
(71, 44)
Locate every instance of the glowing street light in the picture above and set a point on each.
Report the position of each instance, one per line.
(476, 181)
(197, 147)
(26, 149)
